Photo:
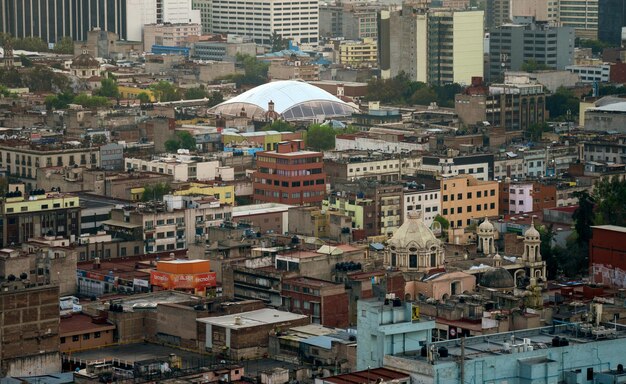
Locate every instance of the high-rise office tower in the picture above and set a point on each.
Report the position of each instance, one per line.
(497, 12)
(611, 19)
(53, 19)
(582, 15)
(297, 20)
(434, 46)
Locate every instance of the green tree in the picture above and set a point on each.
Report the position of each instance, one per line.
(155, 191)
(445, 224)
(277, 42)
(280, 126)
(562, 104)
(255, 71)
(182, 140)
(26, 62)
(610, 198)
(91, 101)
(165, 91)
(99, 139)
(33, 44)
(64, 46)
(187, 141)
(195, 93)
(172, 145)
(424, 96)
(59, 101)
(108, 88)
(596, 46)
(215, 98)
(536, 130)
(533, 66)
(143, 97)
(320, 137)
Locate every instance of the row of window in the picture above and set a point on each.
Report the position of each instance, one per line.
(86, 336)
(459, 196)
(468, 209)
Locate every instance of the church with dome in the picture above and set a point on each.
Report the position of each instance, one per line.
(413, 247)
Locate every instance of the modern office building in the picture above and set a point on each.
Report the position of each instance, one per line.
(512, 45)
(204, 6)
(433, 46)
(295, 20)
(497, 12)
(511, 106)
(543, 11)
(582, 15)
(611, 19)
(53, 19)
(351, 21)
(289, 175)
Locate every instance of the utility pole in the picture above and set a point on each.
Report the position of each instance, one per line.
(462, 362)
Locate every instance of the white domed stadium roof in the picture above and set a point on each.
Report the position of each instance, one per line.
(293, 100)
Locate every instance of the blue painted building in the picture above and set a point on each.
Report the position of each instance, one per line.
(571, 354)
(167, 50)
(386, 328)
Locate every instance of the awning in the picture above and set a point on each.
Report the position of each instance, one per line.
(123, 224)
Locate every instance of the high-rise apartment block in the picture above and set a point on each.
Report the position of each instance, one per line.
(512, 45)
(295, 20)
(433, 46)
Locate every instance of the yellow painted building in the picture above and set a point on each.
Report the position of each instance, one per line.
(358, 53)
(39, 203)
(464, 198)
(224, 193)
(133, 93)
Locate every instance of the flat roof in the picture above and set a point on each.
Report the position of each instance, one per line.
(252, 319)
(259, 209)
(614, 228)
(79, 323)
(478, 347)
(366, 376)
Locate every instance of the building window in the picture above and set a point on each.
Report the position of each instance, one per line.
(86, 336)
(412, 261)
(96, 335)
(75, 338)
(63, 340)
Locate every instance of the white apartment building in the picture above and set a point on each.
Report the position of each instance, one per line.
(297, 20)
(142, 12)
(535, 163)
(425, 201)
(170, 35)
(182, 167)
(511, 165)
(200, 213)
(477, 166)
(591, 73)
(520, 198)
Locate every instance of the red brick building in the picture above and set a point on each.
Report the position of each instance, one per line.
(607, 255)
(289, 175)
(325, 302)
